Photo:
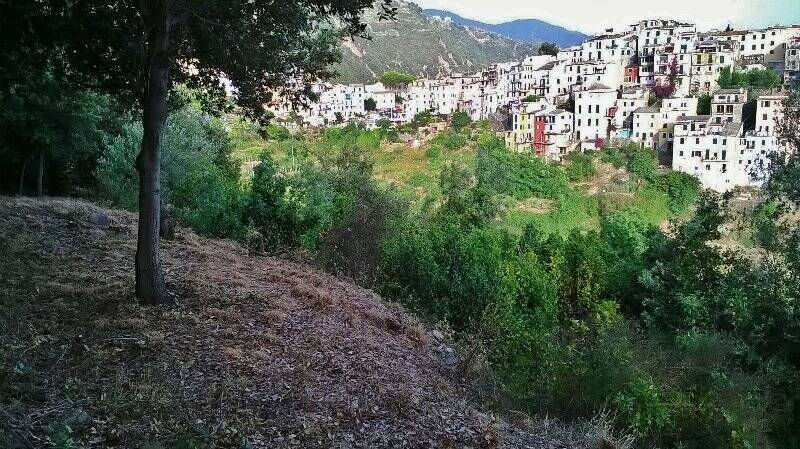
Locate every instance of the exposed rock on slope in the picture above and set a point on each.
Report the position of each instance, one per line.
(258, 351)
(423, 46)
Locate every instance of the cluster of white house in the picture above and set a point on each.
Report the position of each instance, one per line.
(610, 79)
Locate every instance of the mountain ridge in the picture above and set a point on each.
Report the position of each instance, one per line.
(527, 30)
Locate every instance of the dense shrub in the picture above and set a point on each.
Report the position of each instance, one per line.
(450, 140)
(517, 174)
(614, 156)
(59, 132)
(765, 227)
(433, 152)
(272, 209)
(116, 172)
(277, 132)
(199, 181)
(753, 78)
(628, 318)
(580, 167)
(420, 119)
(637, 160)
(683, 189)
(460, 120)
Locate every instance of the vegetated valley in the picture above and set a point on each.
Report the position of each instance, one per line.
(604, 292)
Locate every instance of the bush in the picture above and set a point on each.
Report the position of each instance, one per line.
(683, 190)
(199, 180)
(450, 140)
(460, 120)
(272, 209)
(642, 408)
(352, 246)
(639, 161)
(517, 174)
(421, 119)
(116, 171)
(580, 167)
(704, 104)
(433, 152)
(642, 162)
(754, 78)
(765, 226)
(277, 132)
(614, 156)
(521, 328)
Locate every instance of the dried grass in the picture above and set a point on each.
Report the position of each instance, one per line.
(257, 349)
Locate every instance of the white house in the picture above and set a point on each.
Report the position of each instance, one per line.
(646, 126)
(594, 112)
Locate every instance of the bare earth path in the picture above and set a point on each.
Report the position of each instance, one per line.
(257, 352)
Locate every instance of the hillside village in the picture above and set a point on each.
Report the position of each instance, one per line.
(641, 84)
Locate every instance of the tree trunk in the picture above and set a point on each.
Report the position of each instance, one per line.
(40, 176)
(150, 286)
(22, 175)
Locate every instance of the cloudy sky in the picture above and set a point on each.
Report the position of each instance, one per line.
(592, 16)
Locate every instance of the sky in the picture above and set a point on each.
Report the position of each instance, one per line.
(594, 16)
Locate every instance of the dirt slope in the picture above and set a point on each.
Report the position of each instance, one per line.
(257, 352)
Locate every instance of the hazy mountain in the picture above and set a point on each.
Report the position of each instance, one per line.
(529, 30)
(424, 46)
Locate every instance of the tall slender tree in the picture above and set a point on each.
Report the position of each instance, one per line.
(140, 49)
